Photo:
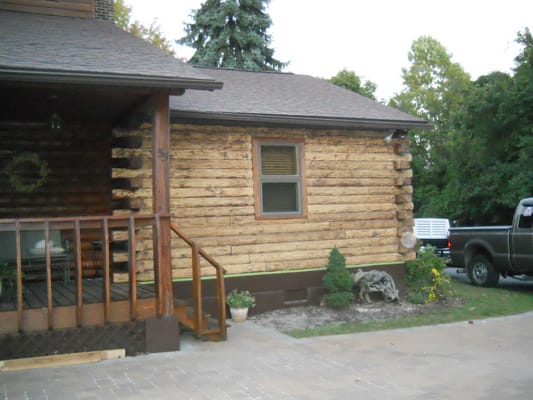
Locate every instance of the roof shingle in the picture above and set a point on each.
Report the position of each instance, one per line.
(287, 98)
(32, 43)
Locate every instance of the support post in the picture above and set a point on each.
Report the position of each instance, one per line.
(161, 195)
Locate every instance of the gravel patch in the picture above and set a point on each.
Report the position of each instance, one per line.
(305, 317)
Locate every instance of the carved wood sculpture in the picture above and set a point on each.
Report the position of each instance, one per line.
(372, 282)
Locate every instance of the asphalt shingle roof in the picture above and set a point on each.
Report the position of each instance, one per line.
(289, 99)
(50, 45)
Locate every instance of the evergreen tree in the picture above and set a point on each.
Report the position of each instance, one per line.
(338, 281)
(231, 34)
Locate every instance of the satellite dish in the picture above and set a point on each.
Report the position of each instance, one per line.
(408, 240)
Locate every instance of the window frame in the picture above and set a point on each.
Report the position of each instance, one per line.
(299, 178)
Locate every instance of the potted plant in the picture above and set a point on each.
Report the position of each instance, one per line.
(6, 274)
(239, 301)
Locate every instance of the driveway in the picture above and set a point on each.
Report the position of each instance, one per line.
(488, 359)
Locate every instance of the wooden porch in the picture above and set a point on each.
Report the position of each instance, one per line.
(80, 301)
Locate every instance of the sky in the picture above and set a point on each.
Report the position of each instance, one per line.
(372, 37)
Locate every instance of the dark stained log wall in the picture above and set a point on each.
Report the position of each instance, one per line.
(78, 182)
(79, 179)
(64, 8)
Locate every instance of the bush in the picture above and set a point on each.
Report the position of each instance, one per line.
(425, 278)
(338, 281)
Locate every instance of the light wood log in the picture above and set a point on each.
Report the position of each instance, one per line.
(58, 360)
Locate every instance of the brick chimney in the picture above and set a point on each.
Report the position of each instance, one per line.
(104, 10)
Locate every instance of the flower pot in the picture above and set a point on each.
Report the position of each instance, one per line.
(239, 314)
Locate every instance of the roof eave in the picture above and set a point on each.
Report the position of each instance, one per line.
(172, 85)
(300, 121)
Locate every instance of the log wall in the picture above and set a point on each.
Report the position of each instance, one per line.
(64, 8)
(358, 194)
(78, 180)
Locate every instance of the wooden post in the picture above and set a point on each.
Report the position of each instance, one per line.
(107, 272)
(197, 288)
(48, 274)
(161, 195)
(19, 276)
(79, 273)
(132, 258)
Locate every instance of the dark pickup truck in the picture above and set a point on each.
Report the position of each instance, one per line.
(490, 251)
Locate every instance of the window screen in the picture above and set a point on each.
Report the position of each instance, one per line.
(278, 160)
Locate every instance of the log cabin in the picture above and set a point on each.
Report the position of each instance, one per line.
(274, 170)
(131, 182)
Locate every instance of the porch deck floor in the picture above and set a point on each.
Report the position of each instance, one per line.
(34, 294)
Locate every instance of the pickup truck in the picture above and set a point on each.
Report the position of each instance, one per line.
(488, 252)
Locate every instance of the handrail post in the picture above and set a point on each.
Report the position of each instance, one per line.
(221, 297)
(197, 287)
(132, 261)
(48, 274)
(19, 276)
(107, 277)
(79, 272)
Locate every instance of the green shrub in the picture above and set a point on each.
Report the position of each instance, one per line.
(338, 281)
(425, 277)
(240, 299)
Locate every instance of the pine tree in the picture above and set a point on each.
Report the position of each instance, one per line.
(231, 34)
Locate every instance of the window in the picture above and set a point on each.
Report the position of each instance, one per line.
(279, 189)
(526, 219)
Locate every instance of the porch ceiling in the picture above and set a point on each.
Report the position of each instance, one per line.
(72, 104)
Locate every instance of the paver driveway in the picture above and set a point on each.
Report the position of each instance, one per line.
(487, 359)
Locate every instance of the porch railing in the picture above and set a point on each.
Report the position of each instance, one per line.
(198, 313)
(88, 236)
(104, 226)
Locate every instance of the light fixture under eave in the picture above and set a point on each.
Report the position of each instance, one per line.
(55, 122)
(388, 138)
(395, 134)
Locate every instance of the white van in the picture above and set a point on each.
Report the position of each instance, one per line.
(433, 231)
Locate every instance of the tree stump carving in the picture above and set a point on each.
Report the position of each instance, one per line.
(375, 282)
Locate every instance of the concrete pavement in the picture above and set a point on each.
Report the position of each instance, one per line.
(487, 359)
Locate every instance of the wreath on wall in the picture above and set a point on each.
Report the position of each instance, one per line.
(27, 172)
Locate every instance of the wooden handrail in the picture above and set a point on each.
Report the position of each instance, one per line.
(203, 253)
(197, 285)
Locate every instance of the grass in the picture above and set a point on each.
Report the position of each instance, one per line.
(476, 303)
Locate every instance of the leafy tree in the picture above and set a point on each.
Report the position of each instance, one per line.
(476, 163)
(338, 281)
(434, 87)
(231, 34)
(349, 80)
(152, 34)
(495, 151)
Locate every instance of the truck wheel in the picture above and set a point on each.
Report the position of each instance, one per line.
(481, 272)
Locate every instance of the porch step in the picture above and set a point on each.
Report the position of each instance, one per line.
(209, 327)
